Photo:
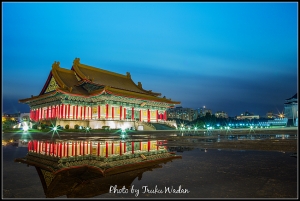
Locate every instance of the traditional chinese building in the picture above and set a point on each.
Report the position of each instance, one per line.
(94, 97)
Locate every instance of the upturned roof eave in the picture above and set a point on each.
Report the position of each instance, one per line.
(38, 97)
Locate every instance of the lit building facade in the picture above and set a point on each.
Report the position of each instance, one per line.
(270, 115)
(201, 112)
(187, 114)
(221, 114)
(247, 115)
(291, 109)
(94, 97)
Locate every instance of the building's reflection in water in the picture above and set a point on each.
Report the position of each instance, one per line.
(82, 169)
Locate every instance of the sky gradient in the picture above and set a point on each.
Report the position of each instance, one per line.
(231, 57)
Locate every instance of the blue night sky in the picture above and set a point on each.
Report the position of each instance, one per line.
(231, 57)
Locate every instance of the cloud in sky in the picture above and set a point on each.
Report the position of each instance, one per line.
(227, 56)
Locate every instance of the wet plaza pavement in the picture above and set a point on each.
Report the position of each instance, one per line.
(204, 171)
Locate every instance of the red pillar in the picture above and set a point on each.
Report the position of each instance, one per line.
(148, 115)
(76, 111)
(61, 107)
(47, 113)
(112, 112)
(72, 148)
(91, 148)
(165, 115)
(132, 114)
(132, 147)
(39, 146)
(69, 111)
(64, 149)
(54, 111)
(91, 114)
(46, 146)
(31, 146)
(84, 109)
(83, 146)
(40, 113)
(34, 145)
(124, 147)
(124, 113)
(75, 148)
(106, 111)
(67, 149)
(140, 145)
(87, 112)
(156, 115)
(55, 149)
(37, 114)
(106, 150)
(98, 149)
(112, 148)
(63, 111)
(73, 113)
(81, 109)
(120, 148)
(32, 113)
(50, 148)
(80, 149)
(60, 146)
(99, 112)
(156, 144)
(66, 109)
(120, 112)
(148, 145)
(58, 112)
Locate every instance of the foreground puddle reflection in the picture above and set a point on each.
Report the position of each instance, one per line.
(83, 169)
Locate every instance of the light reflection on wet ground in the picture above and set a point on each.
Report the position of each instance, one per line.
(224, 174)
(206, 173)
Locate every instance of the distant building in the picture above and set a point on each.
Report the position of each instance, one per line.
(247, 115)
(181, 113)
(291, 109)
(270, 115)
(221, 114)
(16, 117)
(274, 122)
(17, 120)
(201, 112)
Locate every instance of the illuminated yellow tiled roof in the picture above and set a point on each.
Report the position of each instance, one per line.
(86, 81)
(108, 78)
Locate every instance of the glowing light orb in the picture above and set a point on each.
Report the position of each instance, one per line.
(25, 127)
